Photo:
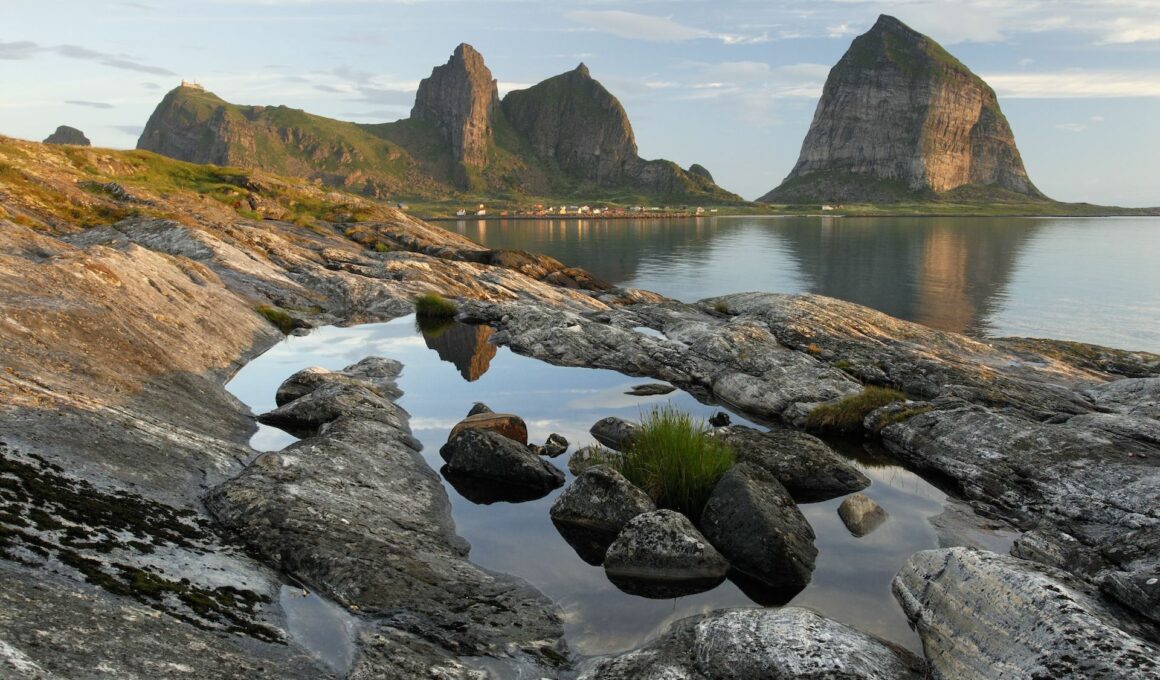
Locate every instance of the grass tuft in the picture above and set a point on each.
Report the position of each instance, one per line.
(433, 306)
(673, 461)
(278, 317)
(846, 415)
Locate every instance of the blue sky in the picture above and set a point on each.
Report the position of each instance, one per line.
(730, 84)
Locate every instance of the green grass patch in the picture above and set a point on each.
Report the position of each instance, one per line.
(675, 463)
(433, 306)
(846, 414)
(278, 317)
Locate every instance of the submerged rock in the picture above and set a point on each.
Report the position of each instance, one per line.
(982, 615)
(860, 514)
(752, 520)
(741, 644)
(808, 468)
(660, 552)
(487, 454)
(615, 433)
(510, 426)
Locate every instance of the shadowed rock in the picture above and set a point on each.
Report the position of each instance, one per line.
(600, 501)
(484, 454)
(808, 468)
(661, 552)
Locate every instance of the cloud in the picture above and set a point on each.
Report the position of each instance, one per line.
(134, 130)
(1072, 127)
(653, 28)
(1076, 84)
(28, 50)
(1126, 30)
(93, 105)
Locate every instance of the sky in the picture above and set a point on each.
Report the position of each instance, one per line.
(729, 84)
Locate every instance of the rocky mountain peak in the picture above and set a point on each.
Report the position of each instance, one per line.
(460, 99)
(901, 116)
(582, 71)
(68, 135)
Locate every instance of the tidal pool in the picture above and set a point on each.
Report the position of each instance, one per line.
(446, 373)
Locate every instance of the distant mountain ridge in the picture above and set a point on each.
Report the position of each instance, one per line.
(900, 118)
(566, 136)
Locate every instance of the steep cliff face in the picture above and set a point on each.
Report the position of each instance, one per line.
(900, 115)
(574, 122)
(460, 99)
(196, 126)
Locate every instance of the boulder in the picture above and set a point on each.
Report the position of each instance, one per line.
(860, 514)
(983, 615)
(663, 548)
(735, 644)
(588, 456)
(332, 400)
(600, 499)
(615, 433)
(650, 389)
(479, 407)
(487, 454)
(752, 520)
(510, 426)
(375, 373)
(808, 468)
(555, 446)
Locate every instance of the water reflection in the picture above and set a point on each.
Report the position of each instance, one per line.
(1087, 279)
(851, 582)
(461, 344)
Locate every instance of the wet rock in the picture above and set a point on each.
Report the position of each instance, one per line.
(487, 454)
(588, 456)
(376, 373)
(860, 514)
(808, 468)
(615, 433)
(600, 499)
(332, 400)
(478, 408)
(760, 643)
(650, 389)
(720, 419)
(752, 520)
(506, 424)
(663, 547)
(980, 615)
(555, 446)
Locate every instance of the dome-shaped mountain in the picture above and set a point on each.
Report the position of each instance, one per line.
(899, 117)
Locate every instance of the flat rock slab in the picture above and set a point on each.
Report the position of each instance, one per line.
(487, 454)
(743, 644)
(808, 468)
(983, 615)
(507, 424)
(752, 520)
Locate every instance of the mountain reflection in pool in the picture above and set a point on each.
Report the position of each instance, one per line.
(851, 582)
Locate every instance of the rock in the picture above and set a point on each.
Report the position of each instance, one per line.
(375, 372)
(478, 408)
(555, 445)
(861, 515)
(662, 548)
(981, 615)
(332, 400)
(808, 468)
(701, 171)
(615, 433)
(892, 100)
(588, 456)
(600, 499)
(68, 135)
(487, 454)
(720, 419)
(510, 426)
(460, 100)
(650, 389)
(786, 643)
(752, 520)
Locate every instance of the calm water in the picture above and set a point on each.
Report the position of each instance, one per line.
(1089, 279)
(444, 376)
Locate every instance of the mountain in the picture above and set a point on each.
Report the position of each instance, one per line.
(65, 134)
(900, 118)
(565, 137)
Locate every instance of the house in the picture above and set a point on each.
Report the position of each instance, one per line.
(480, 213)
(461, 213)
(827, 207)
(699, 211)
(584, 210)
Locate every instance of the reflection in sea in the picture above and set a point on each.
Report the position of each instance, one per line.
(1088, 279)
(515, 534)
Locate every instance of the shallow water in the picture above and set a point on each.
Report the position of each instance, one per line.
(852, 579)
(1088, 279)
